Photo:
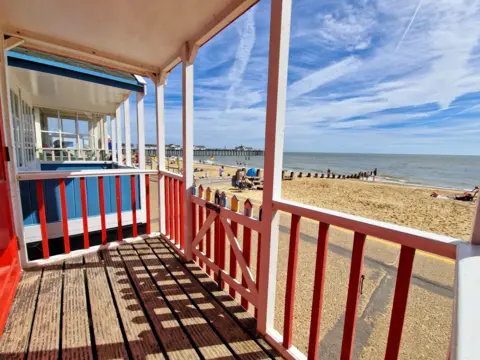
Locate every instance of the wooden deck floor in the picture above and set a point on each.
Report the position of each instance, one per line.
(138, 301)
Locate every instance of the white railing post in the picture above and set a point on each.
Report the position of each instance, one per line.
(188, 58)
(161, 82)
(274, 137)
(118, 124)
(113, 138)
(141, 149)
(126, 125)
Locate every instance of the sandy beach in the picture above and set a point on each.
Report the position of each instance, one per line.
(398, 204)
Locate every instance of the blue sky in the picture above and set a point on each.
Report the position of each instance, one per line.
(378, 76)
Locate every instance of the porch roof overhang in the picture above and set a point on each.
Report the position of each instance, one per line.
(60, 92)
(146, 38)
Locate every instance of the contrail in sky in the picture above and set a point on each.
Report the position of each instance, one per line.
(409, 25)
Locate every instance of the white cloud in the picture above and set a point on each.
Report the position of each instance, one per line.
(244, 50)
(323, 76)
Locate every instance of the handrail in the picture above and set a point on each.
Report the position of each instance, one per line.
(417, 239)
(171, 174)
(44, 175)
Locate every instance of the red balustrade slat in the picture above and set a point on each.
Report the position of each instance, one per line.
(119, 208)
(176, 212)
(233, 259)
(353, 296)
(194, 224)
(147, 193)
(222, 249)
(83, 195)
(216, 246)
(43, 219)
(400, 298)
(167, 205)
(134, 205)
(172, 211)
(201, 220)
(259, 257)
(182, 217)
(63, 202)
(209, 245)
(247, 248)
(291, 278)
(102, 209)
(320, 264)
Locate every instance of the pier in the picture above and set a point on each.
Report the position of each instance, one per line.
(217, 152)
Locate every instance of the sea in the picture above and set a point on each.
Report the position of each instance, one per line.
(443, 171)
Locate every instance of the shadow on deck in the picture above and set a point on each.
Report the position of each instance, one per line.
(137, 301)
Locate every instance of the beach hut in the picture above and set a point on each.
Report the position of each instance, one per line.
(138, 268)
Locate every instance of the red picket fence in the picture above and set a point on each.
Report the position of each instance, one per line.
(216, 229)
(39, 177)
(174, 210)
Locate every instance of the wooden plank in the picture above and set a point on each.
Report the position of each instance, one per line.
(14, 341)
(45, 338)
(207, 341)
(76, 342)
(174, 340)
(108, 335)
(241, 343)
(246, 320)
(141, 339)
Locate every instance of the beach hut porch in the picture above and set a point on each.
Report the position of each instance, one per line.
(182, 240)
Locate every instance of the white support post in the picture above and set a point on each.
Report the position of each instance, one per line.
(188, 58)
(12, 164)
(113, 130)
(118, 123)
(141, 150)
(126, 126)
(105, 135)
(38, 133)
(476, 225)
(161, 82)
(274, 138)
(77, 133)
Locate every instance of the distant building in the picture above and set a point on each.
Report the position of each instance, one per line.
(199, 147)
(242, 148)
(172, 147)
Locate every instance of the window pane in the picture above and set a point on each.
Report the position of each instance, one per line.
(83, 126)
(52, 124)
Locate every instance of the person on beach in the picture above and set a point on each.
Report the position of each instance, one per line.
(466, 196)
(374, 174)
(220, 170)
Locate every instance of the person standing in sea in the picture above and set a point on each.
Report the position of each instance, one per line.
(374, 174)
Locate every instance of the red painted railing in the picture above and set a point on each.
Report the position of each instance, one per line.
(174, 210)
(408, 239)
(213, 253)
(39, 178)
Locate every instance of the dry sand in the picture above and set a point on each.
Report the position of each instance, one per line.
(398, 204)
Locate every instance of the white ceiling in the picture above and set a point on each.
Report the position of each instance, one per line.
(147, 34)
(60, 92)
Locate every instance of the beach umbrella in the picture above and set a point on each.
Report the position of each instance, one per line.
(252, 172)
